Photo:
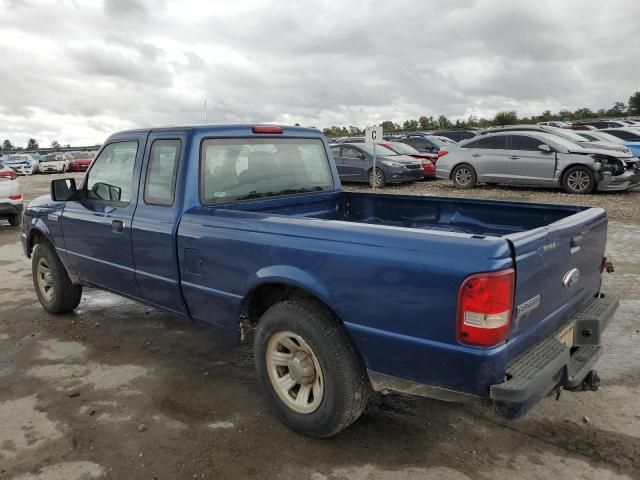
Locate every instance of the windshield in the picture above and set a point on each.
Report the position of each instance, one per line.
(380, 150)
(52, 158)
(15, 159)
(568, 144)
(400, 148)
(235, 169)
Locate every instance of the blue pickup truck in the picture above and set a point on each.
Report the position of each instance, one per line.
(246, 229)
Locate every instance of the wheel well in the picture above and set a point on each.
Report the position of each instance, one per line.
(571, 166)
(263, 297)
(36, 237)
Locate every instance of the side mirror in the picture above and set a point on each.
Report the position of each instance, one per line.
(363, 156)
(545, 148)
(63, 189)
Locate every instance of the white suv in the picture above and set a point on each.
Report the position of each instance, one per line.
(10, 196)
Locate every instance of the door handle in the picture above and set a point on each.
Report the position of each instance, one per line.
(117, 226)
(476, 155)
(514, 157)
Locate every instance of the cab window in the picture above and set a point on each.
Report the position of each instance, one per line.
(160, 182)
(111, 176)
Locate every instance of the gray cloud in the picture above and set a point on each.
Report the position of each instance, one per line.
(77, 71)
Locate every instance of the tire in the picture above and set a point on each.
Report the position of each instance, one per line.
(381, 180)
(578, 180)
(464, 176)
(15, 220)
(325, 365)
(52, 284)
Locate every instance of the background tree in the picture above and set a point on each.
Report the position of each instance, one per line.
(424, 123)
(388, 126)
(7, 145)
(634, 104)
(443, 122)
(618, 110)
(55, 144)
(506, 118)
(32, 144)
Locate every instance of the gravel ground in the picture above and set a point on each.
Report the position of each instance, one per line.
(119, 390)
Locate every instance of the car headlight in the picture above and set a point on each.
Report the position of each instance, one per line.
(389, 163)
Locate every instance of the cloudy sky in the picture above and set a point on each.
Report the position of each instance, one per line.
(77, 70)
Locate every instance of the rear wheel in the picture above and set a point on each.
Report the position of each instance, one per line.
(377, 178)
(309, 369)
(53, 287)
(464, 176)
(578, 180)
(15, 220)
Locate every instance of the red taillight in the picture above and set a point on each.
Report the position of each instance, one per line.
(267, 129)
(485, 306)
(10, 174)
(15, 197)
(442, 153)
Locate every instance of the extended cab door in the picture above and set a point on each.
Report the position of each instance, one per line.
(97, 226)
(156, 219)
(527, 163)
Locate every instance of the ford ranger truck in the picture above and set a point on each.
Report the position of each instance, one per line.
(246, 227)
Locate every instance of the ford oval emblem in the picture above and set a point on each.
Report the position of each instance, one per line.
(571, 278)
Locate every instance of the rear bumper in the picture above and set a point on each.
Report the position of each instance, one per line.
(10, 208)
(551, 363)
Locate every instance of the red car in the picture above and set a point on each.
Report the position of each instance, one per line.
(81, 161)
(428, 160)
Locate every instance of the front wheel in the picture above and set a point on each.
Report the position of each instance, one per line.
(52, 283)
(464, 176)
(376, 180)
(579, 180)
(309, 369)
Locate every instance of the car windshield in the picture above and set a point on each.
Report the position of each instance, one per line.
(400, 148)
(15, 159)
(568, 144)
(574, 137)
(51, 158)
(235, 169)
(380, 150)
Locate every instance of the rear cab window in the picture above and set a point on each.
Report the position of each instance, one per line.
(237, 169)
(160, 181)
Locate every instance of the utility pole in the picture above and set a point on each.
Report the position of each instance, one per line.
(205, 110)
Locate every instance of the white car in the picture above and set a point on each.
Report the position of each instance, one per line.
(10, 196)
(53, 163)
(22, 163)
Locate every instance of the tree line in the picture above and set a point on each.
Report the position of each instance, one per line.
(619, 109)
(32, 144)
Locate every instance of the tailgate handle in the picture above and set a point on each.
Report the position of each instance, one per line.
(576, 241)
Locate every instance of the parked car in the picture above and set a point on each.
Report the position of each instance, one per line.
(427, 144)
(538, 159)
(456, 134)
(457, 299)
(22, 164)
(555, 123)
(354, 162)
(428, 160)
(53, 163)
(10, 196)
(626, 134)
(600, 124)
(605, 135)
(350, 140)
(81, 161)
(561, 132)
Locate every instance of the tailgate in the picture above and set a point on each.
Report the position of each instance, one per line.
(557, 271)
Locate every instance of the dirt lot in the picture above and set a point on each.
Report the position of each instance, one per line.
(119, 390)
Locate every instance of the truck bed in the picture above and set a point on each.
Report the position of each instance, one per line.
(467, 216)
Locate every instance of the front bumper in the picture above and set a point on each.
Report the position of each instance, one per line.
(629, 179)
(406, 175)
(550, 363)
